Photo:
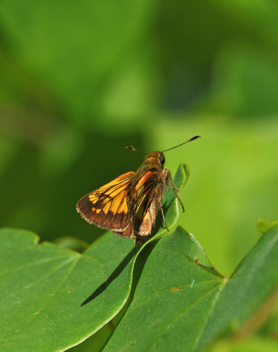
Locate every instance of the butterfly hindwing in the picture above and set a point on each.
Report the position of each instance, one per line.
(148, 189)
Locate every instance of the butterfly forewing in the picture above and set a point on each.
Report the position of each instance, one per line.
(107, 206)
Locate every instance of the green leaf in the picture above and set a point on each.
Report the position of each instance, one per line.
(54, 298)
(43, 287)
(75, 244)
(179, 303)
(174, 293)
(250, 285)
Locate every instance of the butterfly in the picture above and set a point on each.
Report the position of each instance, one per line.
(129, 204)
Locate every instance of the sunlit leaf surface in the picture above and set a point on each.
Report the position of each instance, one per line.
(180, 303)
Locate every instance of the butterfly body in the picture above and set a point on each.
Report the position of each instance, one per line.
(128, 205)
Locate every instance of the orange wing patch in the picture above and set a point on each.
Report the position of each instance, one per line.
(107, 206)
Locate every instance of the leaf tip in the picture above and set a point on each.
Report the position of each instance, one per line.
(264, 226)
(181, 175)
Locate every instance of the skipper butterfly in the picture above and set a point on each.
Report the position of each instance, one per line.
(128, 205)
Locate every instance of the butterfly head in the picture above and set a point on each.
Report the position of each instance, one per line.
(155, 157)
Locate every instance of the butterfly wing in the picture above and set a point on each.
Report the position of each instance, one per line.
(149, 190)
(107, 207)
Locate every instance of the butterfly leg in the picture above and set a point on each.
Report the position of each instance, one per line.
(174, 187)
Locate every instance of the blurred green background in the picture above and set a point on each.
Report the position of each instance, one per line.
(81, 80)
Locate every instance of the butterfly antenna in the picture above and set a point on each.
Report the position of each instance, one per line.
(190, 140)
(135, 150)
(166, 150)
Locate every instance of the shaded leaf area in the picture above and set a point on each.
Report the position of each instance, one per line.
(54, 298)
(180, 303)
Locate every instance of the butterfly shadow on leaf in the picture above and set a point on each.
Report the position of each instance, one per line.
(138, 269)
(158, 227)
(113, 276)
(120, 267)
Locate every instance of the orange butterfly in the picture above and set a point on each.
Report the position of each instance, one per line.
(128, 205)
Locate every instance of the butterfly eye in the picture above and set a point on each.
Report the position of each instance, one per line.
(162, 159)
